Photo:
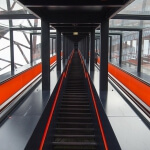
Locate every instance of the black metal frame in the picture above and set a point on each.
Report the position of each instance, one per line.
(139, 45)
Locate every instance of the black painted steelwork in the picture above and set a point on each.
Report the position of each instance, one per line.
(45, 47)
(120, 52)
(104, 57)
(58, 47)
(92, 50)
(139, 52)
(87, 49)
(132, 17)
(52, 47)
(31, 49)
(110, 50)
(12, 52)
(64, 49)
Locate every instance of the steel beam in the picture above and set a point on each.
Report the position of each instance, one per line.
(104, 57)
(64, 49)
(12, 51)
(92, 50)
(45, 46)
(110, 47)
(120, 53)
(17, 16)
(139, 52)
(132, 17)
(31, 49)
(58, 47)
(87, 52)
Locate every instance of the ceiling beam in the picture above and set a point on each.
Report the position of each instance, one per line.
(53, 3)
(71, 30)
(17, 16)
(132, 17)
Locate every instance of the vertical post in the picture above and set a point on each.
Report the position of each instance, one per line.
(87, 51)
(92, 50)
(58, 47)
(52, 46)
(31, 50)
(120, 54)
(110, 47)
(96, 46)
(64, 49)
(45, 46)
(11, 41)
(139, 52)
(12, 51)
(85, 47)
(104, 57)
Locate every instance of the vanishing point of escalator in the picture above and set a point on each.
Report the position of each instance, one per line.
(74, 127)
(73, 118)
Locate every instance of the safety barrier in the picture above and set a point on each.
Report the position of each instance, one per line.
(11, 86)
(140, 89)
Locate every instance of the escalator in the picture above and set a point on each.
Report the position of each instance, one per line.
(74, 125)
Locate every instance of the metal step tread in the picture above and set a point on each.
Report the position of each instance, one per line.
(75, 143)
(74, 136)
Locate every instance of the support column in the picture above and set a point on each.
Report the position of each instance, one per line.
(92, 50)
(31, 49)
(85, 47)
(120, 54)
(64, 49)
(96, 46)
(104, 57)
(87, 51)
(110, 48)
(11, 41)
(12, 51)
(139, 52)
(52, 46)
(58, 40)
(45, 46)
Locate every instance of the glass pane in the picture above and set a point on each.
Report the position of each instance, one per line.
(36, 47)
(129, 55)
(3, 6)
(18, 57)
(54, 46)
(4, 51)
(22, 38)
(115, 49)
(141, 7)
(50, 45)
(145, 55)
(129, 23)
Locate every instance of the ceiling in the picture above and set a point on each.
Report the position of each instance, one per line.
(75, 15)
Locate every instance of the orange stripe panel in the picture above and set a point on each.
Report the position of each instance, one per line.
(137, 87)
(140, 89)
(13, 85)
(10, 87)
(98, 60)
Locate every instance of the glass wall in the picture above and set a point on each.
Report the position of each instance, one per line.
(130, 39)
(21, 38)
(145, 55)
